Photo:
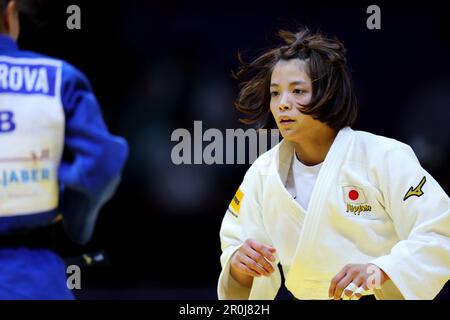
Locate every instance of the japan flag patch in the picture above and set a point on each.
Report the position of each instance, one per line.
(354, 195)
(356, 201)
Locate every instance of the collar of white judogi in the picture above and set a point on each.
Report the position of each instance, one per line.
(284, 153)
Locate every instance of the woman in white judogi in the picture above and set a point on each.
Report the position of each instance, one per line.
(346, 213)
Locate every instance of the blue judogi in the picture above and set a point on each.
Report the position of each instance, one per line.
(56, 156)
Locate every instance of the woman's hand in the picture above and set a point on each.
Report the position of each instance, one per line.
(252, 260)
(354, 279)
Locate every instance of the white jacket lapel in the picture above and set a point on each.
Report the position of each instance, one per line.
(325, 180)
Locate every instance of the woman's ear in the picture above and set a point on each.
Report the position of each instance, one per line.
(11, 20)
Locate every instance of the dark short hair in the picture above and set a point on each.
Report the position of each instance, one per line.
(23, 6)
(3, 4)
(31, 9)
(333, 98)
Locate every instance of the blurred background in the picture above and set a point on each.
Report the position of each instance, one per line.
(160, 65)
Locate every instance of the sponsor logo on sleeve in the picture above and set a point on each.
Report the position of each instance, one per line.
(235, 204)
(417, 191)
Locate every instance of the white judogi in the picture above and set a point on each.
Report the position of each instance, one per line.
(372, 203)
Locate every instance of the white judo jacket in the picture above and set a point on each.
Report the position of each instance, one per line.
(372, 203)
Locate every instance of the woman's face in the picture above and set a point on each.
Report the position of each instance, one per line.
(290, 88)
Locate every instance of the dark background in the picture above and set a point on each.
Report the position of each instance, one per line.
(157, 66)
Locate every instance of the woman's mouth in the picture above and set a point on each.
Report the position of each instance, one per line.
(286, 121)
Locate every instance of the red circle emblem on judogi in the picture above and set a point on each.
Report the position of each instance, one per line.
(353, 195)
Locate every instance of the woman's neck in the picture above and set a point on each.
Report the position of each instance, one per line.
(313, 147)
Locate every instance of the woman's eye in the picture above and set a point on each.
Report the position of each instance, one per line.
(298, 91)
(274, 93)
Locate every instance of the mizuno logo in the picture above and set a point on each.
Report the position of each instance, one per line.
(417, 191)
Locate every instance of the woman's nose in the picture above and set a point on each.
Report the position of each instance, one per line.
(285, 103)
(283, 107)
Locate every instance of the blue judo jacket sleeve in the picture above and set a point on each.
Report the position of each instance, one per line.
(93, 158)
